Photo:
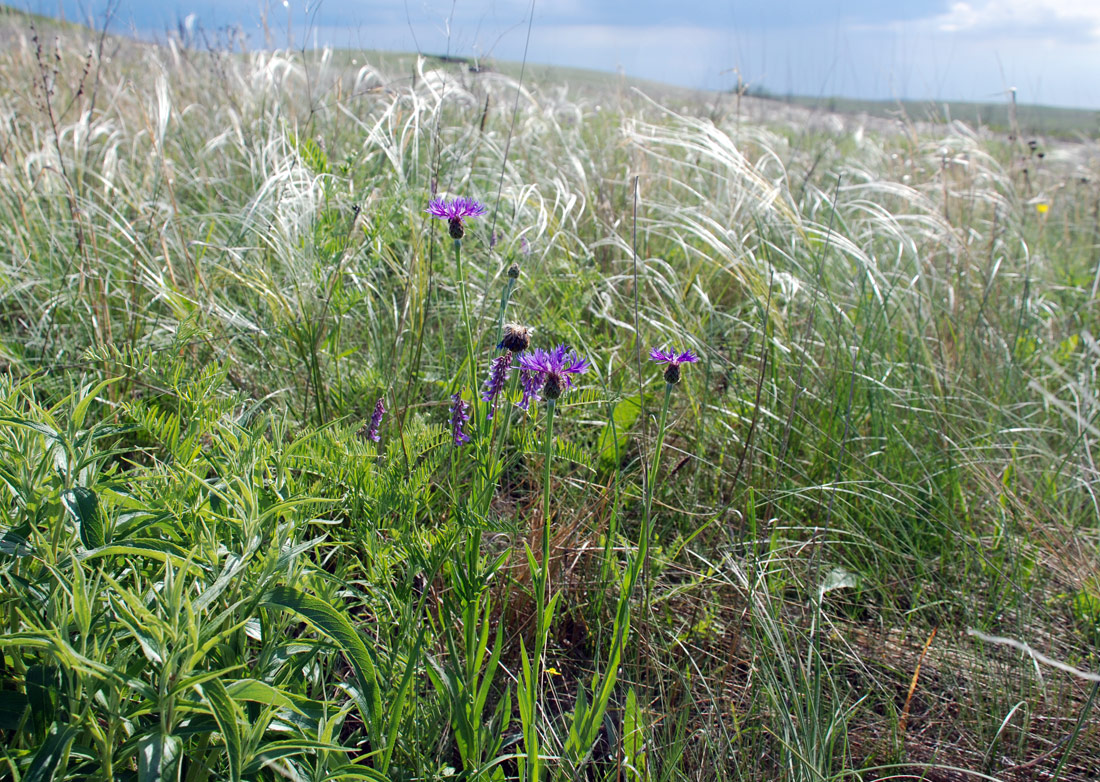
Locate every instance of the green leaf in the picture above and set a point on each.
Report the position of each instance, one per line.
(614, 436)
(333, 624)
(53, 754)
(81, 409)
(83, 505)
(158, 756)
(12, 706)
(228, 717)
(256, 691)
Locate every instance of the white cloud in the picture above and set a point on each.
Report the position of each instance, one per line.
(1069, 20)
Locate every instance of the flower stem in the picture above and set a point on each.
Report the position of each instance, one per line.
(550, 405)
(471, 363)
(647, 521)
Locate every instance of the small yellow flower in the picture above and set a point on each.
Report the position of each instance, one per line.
(553, 672)
(1042, 207)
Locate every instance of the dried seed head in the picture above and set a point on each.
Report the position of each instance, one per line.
(513, 271)
(516, 338)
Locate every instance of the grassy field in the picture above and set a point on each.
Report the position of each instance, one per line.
(848, 544)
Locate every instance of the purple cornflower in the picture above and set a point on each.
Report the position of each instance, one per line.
(460, 414)
(551, 370)
(376, 420)
(673, 361)
(454, 211)
(498, 374)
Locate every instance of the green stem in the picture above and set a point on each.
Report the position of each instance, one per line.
(466, 324)
(546, 487)
(647, 521)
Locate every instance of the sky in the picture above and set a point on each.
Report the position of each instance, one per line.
(977, 50)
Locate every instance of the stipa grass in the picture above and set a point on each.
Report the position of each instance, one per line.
(218, 272)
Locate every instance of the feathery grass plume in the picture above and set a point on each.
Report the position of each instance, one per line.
(494, 384)
(672, 360)
(376, 419)
(454, 212)
(460, 414)
(516, 338)
(552, 369)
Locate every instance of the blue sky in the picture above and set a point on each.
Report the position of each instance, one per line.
(918, 49)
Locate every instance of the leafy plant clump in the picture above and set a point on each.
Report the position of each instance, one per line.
(787, 474)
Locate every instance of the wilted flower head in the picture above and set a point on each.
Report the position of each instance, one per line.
(673, 360)
(550, 371)
(376, 420)
(516, 338)
(498, 374)
(460, 414)
(454, 212)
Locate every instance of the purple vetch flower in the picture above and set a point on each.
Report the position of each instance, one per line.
(672, 360)
(531, 382)
(454, 212)
(524, 246)
(376, 420)
(552, 368)
(498, 374)
(460, 414)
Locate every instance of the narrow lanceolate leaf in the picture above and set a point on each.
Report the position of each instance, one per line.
(158, 756)
(228, 717)
(83, 506)
(52, 755)
(333, 624)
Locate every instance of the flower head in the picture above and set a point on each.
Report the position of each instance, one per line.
(376, 420)
(498, 374)
(550, 371)
(673, 360)
(515, 338)
(460, 414)
(454, 212)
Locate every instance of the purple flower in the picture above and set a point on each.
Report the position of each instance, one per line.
(498, 374)
(376, 420)
(531, 383)
(454, 212)
(551, 369)
(673, 360)
(460, 414)
(524, 245)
